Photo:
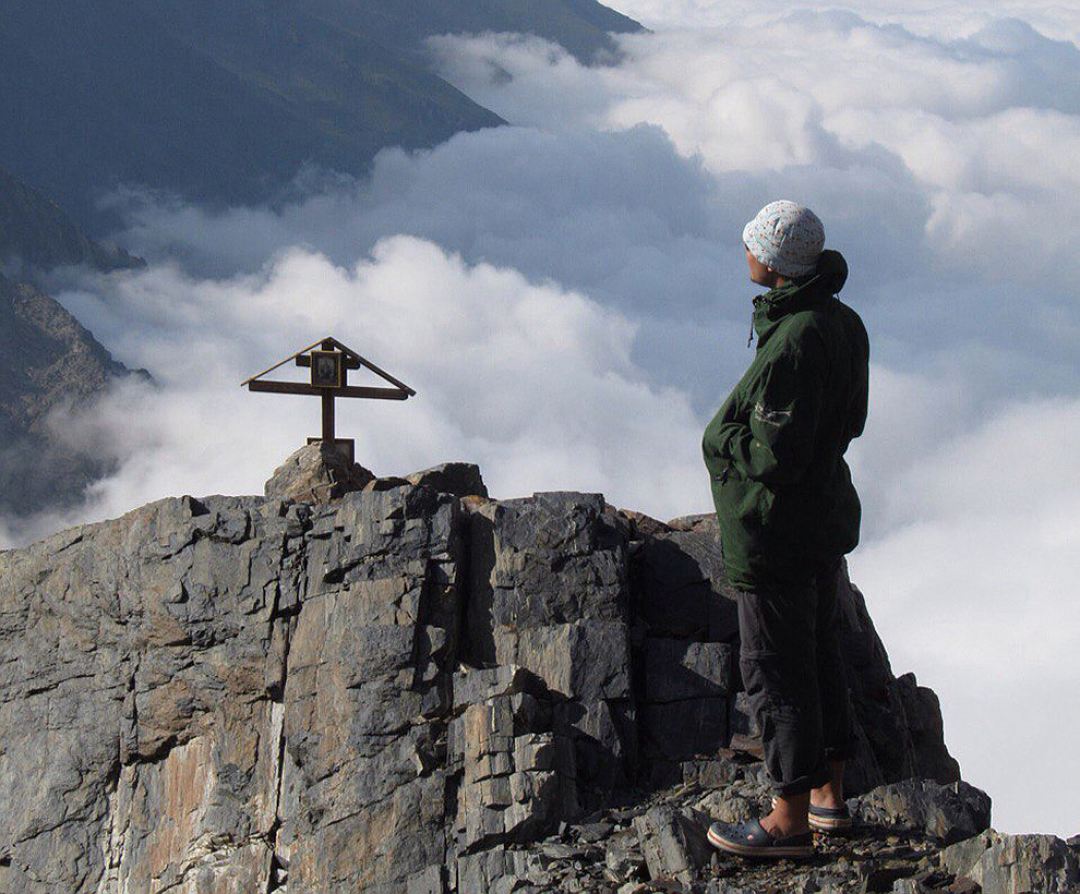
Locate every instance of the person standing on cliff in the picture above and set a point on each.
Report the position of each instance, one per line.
(788, 513)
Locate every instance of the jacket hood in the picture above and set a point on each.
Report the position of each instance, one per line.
(816, 289)
(833, 270)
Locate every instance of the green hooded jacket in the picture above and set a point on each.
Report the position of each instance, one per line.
(775, 449)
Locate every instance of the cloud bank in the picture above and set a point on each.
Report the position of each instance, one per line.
(568, 297)
(531, 380)
(930, 18)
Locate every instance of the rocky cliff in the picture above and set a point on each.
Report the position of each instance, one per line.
(415, 688)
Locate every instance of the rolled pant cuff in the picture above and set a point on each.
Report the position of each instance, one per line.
(802, 784)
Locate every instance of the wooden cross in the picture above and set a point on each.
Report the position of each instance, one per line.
(330, 361)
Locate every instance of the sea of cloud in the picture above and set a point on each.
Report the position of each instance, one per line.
(932, 18)
(569, 299)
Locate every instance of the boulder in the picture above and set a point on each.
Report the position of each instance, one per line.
(316, 473)
(135, 714)
(623, 857)
(947, 813)
(642, 525)
(1003, 864)
(703, 521)
(459, 479)
(554, 558)
(514, 785)
(673, 843)
(388, 482)
(549, 592)
(585, 660)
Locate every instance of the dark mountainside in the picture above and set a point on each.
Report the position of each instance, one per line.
(37, 235)
(581, 26)
(415, 688)
(48, 361)
(225, 102)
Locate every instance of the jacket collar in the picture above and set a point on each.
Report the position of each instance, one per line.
(798, 294)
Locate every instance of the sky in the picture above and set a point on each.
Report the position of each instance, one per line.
(568, 296)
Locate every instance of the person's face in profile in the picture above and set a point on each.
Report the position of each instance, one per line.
(759, 273)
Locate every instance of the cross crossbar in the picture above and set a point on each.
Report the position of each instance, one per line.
(330, 361)
(344, 391)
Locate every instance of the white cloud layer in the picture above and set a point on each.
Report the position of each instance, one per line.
(569, 299)
(972, 582)
(534, 382)
(930, 18)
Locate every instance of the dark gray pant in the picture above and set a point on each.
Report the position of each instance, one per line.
(794, 677)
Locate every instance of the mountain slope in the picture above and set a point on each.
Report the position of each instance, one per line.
(581, 26)
(219, 102)
(225, 102)
(37, 234)
(47, 361)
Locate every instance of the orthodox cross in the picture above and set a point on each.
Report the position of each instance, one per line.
(330, 361)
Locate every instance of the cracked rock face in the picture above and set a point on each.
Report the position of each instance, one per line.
(138, 735)
(408, 689)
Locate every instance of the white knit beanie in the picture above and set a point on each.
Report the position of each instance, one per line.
(787, 237)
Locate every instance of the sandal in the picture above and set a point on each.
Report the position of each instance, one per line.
(750, 839)
(829, 819)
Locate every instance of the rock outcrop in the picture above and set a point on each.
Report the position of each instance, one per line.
(411, 690)
(316, 474)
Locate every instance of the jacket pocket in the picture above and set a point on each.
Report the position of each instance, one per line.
(738, 499)
(725, 473)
